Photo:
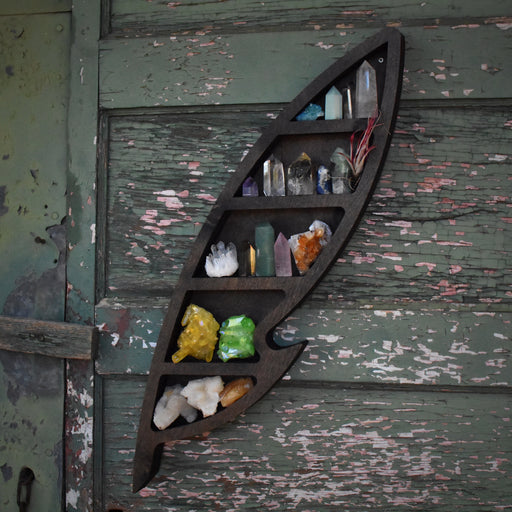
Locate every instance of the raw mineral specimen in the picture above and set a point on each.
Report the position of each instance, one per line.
(199, 337)
(222, 261)
(310, 113)
(307, 246)
(203, 394)
(235, 390)
(300, 176)
(323, 180)
(171, 405)
(236, 338)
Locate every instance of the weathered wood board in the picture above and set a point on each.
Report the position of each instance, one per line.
(402, 398)
(359, 449)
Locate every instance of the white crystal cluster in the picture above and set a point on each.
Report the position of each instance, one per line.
(222, 261)
(202, 394)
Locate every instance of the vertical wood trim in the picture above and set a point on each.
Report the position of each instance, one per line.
(81, 182)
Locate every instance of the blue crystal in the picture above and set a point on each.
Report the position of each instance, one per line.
(323, 180)
(310, 113)
(249, 188)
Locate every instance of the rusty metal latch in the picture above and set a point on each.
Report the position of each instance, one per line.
(24, 488)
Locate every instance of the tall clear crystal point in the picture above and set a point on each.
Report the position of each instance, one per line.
(273, 177)
(264, 242)
(282, 256)
(366, 91)
(333, 104)
(349, 111)
(300, 176)
(250, 188)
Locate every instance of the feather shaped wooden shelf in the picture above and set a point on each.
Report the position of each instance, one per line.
(268, 300)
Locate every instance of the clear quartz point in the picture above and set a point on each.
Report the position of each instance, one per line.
(273, 177)
(300, 176)
(366, 91)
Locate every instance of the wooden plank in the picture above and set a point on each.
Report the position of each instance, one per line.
(129, 18)
(315, 447)
(405, 345)
(55, 339)
(438, 227)
(81, 243)
(213, 69)
(10, 7)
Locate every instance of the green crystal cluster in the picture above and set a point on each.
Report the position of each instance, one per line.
(236, 338)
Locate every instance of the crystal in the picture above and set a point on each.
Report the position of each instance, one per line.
(250, 188)
(222, 261)
(311, 113)
(366, 91)
(282, 256)
(203, 394)
(333, 104)
(236, 338)
(340, 173)
(171, 405)
(323, 180)
(300, 176)
(349, 114)
(199, 337)
(235, 390)
(264, 241)
(273, 177)
(307, 246)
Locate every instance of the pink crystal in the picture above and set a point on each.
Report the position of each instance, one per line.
(282, 256)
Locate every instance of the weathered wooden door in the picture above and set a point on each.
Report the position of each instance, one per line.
(402, 399)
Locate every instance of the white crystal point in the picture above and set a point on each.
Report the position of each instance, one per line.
(366, 91)
(333, 104)
(222, 261)
(171, 405)
(203, 394)
(273, 177)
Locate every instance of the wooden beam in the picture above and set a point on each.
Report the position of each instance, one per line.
(55, 339)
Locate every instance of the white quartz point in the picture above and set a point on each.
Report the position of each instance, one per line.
(333, 104)
(171, 405)
(366, 91)
(273, 177)
(204, 394)
(222, 261)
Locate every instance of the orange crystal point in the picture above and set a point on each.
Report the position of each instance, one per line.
(199, 337)
(235, 390)
(308, 249)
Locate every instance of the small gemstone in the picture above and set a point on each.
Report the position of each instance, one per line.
(300, 176)
(333, 104)
(366, 91)
(250, 188)
(282, 256)
(311, 113)
(323, 180)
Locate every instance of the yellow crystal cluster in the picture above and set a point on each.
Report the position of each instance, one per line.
(199, 337)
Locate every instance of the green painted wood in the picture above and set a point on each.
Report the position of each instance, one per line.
(81, 208)
(31, 423)
(10, 7)
(320, 447)
(438, 227)
(423, 345)
(129, 18)
(215, 69)
(33, 102)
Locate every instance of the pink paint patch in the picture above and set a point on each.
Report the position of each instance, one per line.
(430, 266)
(207, 197)
(455, 269)
(173, 203)
(399, 268)
(193, 165)
(142, 259)
(183, 194)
